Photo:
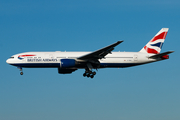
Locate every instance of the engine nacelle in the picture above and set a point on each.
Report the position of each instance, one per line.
(65, 71)
(67, 63)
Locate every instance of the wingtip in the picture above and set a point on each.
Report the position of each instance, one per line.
(120, 41)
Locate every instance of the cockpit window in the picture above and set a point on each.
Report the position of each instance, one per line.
(12, 57)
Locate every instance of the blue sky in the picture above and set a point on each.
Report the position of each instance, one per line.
(144, 92)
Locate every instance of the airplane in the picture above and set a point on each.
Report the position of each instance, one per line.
(68, 62)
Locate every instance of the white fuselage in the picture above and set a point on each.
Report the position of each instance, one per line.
(53, 59)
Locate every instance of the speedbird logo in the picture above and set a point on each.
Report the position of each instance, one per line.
(23, 56)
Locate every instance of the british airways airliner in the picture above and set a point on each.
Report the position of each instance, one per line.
(68, 62)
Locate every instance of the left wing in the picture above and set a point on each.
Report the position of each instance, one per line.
(101, 53)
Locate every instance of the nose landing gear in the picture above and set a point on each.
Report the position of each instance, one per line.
(20, 68)
(21, 73)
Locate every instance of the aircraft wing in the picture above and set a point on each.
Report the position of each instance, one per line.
(99, 54)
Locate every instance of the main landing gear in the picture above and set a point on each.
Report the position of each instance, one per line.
(88, 71)
(20, 68)
(89, 74)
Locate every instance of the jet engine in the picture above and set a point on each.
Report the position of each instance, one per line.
(67, 63)
(66, 66)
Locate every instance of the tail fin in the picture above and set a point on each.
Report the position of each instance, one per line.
(155, 44)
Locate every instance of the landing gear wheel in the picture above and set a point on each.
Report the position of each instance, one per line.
(84, 74)
(88, 75)
(92, 76)
(21, 73)
(88, 71)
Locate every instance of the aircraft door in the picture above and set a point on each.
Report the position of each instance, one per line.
(49, 56)
(135, 57)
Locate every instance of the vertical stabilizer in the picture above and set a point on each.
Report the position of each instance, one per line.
(155, 44)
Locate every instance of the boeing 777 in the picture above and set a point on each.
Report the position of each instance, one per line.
(68, 62)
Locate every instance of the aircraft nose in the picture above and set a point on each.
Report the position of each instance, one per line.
(7, 61)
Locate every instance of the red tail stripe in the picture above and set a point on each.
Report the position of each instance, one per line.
(149, 50)
(160, 36)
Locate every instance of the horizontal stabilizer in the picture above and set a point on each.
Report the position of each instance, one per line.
(160, 55)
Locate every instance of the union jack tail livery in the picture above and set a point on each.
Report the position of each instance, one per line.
(155, 44)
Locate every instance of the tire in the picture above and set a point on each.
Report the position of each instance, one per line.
(94, 73)
(84, 74)
(92, 76)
